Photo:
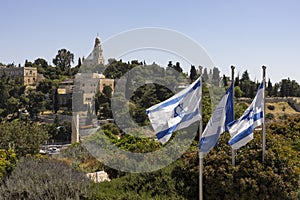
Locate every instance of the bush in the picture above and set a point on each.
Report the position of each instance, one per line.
(271, 107)
(44, 179)
(8, 160)
(24, 138)
(270, 116)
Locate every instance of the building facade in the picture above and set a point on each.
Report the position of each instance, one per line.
(28, 76)
(91, 83)
(64, 94)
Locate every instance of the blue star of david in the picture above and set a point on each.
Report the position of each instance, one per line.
(249, 115)
(178, 110)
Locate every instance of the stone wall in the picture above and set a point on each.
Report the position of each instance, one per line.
(99, 176)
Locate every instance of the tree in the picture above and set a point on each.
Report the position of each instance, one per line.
(45, 86)
(36, 103)
(237, 80)
(55, 101)
(24, 138)
(205, 75)
(269, 88)
(170, 65)
(8, 161)
(225, 80)
(238, 93)
(245, 76)
(40, 62)
(107, 91)
(63, 60)
(28, 64)
(216, 76)
(79, 62)
(177, 67)
(193, 73)
(45, 179)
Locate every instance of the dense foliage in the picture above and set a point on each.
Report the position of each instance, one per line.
(45, 179)
(277, 178)
(24, 138)
(8, 161)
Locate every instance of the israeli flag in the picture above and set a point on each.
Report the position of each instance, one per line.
(177, 112)
(221, 117)
(242, 130)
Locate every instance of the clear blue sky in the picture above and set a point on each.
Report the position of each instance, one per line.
(247, 34)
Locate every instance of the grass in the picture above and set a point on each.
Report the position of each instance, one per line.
(281, 108)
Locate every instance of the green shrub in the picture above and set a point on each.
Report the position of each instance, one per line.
(270, 116)
(44, 179)
(8, 160)
(271, 107)
(24, 138)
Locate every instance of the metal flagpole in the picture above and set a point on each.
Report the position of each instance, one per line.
(200, 134)
(232, 80)
(264, 111)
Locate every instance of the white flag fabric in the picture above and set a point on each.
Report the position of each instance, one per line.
(242, 130)
(221, 117)
(177, 112)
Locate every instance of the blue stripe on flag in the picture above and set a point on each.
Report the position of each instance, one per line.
(258, 116)
(208, 142)
(229, 107)
(170, 130)
(173, 101)
(247, 115)
(241, 135)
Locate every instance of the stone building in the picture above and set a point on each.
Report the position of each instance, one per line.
(26, 75)
(86, 84)
(64, 94)
(89, 84)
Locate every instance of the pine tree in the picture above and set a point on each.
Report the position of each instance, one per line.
(269, 88)
(205, 75)
(193, 73)
(245, 76)
(237, 81)
(225, 82)
(79, 62)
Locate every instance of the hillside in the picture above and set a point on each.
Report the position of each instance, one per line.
(280, 109)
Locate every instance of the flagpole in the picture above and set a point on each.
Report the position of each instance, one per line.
(264, 111)
(232, 80)
(200, 134)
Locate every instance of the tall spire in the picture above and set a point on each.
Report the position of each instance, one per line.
(97, 41)
(96, 57)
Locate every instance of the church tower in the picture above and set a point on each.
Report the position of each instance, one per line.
(95, 58)
(98, 52)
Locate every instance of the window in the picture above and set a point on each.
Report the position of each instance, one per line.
(30, 72)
